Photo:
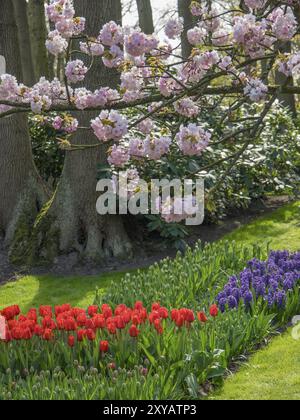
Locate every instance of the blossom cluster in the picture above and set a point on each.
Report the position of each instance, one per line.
(89, 325)
(256, 90)
(63, 123)
(62, 14)
(76, 71)
(271, 280)
(174, 28)
(291, 65)
(187, 108)
(109, 126)
(177, 209)
(193, 140)
(84, 98)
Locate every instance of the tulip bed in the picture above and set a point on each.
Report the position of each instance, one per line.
(143, 350)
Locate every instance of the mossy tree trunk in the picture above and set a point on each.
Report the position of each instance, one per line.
(145, 16)
(22, 192)
(69, 222)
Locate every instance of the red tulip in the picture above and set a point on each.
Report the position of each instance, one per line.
(104, 346)
(92, 310)
(214, 311)
(48, 335)
(202, 317)
(71, 341)
(91, 335)
(133, 331)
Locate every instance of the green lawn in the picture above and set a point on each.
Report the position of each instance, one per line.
(271, 374)
(281, 229)
(33, 291)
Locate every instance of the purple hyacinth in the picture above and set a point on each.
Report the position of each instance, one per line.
(232, 302)
(222, 304)
(248, 297)
(280, 298)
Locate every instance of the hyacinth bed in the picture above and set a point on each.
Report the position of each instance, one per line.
(150, 351)
(273, 284)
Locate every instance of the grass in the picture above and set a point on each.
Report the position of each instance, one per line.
(271, 374)
(32, 291)
(281, 229)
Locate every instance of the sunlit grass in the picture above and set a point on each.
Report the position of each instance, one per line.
(281, 229)
(32, 291)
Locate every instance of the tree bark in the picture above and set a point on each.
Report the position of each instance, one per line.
(189, 22)
(38, 36)
(20, 11)
(22, 192)
(145, 16)
(69, 222)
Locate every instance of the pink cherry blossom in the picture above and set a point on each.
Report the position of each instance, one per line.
(118, 156)
(285, 24)
(196, 35)
(111, 34)
(109, 126)
(168, 86)
(256, 90)
(174, 28)
(291, 65)
(8, 87)
(138, 43)
(177, 209)
(92, 48)
(187, 108)
(155, 148)
(55, 43)
(76, 71)
(192, 140)
(146, 126)
(113, 57)
(196, 8)
(137, 148)
(252, 35)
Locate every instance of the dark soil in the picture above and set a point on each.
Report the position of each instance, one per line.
(148, 250)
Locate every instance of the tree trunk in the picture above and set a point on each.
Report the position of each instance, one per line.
(38, 36)
(286, 100)
(22, 192)
(20, 10)
(145, 16)
(189, 22)
(70, 222)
